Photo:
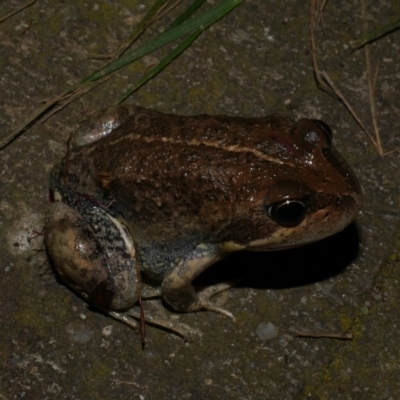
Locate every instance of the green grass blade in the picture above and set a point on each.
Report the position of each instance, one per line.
(162, 64)
(173, 54)
(168, 36)
(141, 27)
(189, 11)
(178, 29)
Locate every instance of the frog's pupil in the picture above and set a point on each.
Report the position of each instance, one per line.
(288, 213)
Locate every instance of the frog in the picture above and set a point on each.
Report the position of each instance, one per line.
(167, 196)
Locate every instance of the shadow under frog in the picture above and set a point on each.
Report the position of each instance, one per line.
(168, 196)
(290, 268)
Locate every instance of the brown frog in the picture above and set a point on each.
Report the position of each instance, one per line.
(171, 195)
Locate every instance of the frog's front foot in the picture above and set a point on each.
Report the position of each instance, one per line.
(205, 295)
(202, 301)
(178, 291)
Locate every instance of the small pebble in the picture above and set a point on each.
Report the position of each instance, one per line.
(266, 331)
(107, 331)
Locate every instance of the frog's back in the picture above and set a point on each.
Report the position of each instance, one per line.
(175, 176)
(168, 167)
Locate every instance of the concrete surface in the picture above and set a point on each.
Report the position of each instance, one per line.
(253, 62)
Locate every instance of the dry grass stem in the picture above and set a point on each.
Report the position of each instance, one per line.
(371, 95)
(17, 11)
(319, 14)
(316, 11)
(57, 103)
(167, 7)
(325, 83)
(372, 82)
(338, 94)
(61, 101)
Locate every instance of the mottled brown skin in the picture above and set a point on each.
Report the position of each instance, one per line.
(202, 178)
(182, 182)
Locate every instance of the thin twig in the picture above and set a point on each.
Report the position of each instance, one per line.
(325, 335)
(371, 85)
(44, 109)
(372, 82)
(70, 97)
(324, 82)
(27, 28)
(371, 95)
(320, 9)
(125, 383)
(315, 17)
(17, 11)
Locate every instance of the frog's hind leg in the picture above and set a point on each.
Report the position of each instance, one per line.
(177, 286)
(129, 318)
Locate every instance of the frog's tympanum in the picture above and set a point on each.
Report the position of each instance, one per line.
(171, 195)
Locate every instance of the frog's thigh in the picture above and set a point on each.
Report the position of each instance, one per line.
(177, 285)
(79, 259)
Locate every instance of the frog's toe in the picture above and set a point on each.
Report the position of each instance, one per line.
(211, 307)
(212, 290)
(132, 316)
(183, 330)
(125, 318)
(205, 295)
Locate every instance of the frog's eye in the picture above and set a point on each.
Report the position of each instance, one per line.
(326, 128)
(288, 213)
